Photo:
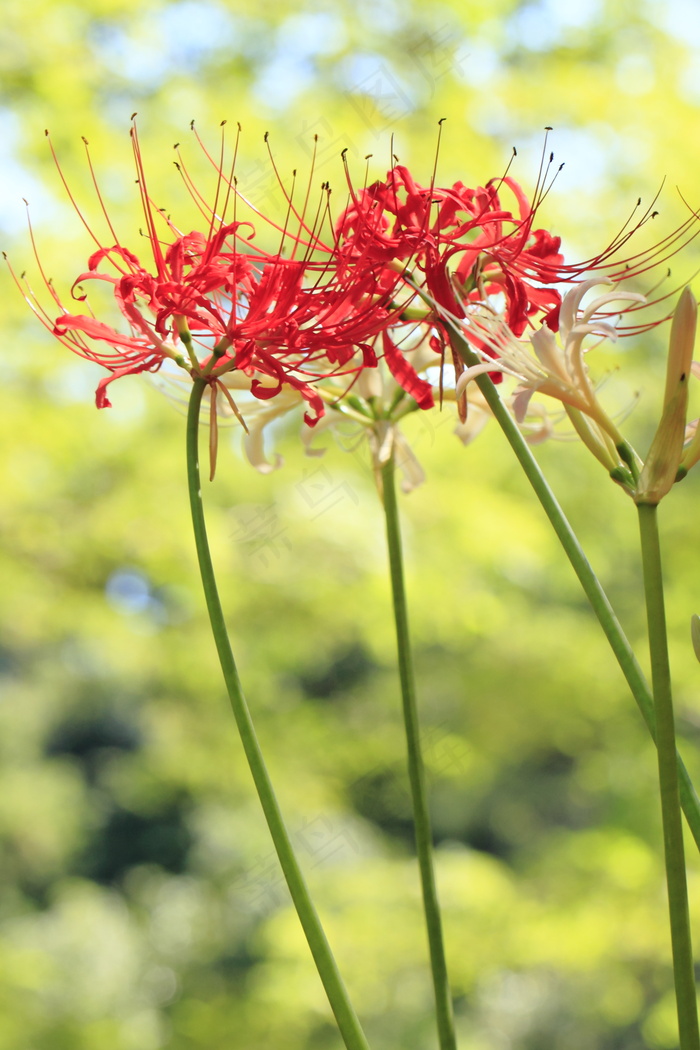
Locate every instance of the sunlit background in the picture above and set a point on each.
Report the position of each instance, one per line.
(141, 903)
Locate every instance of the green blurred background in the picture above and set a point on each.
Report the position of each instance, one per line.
(141, 905)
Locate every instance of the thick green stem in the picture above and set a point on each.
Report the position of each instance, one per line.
(683, 974)
(416, 769)
(347, 1021)
(587, 578)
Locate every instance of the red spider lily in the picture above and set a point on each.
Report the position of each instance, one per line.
(495, 251)
(216, 301)
(506, 255)
(463, 246)
(405, 374)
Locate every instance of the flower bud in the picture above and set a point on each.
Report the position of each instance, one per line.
(661, 466)
(695, 634)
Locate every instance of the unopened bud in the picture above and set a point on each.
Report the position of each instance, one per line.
(695, 634)
(661, 465)
(682, 343)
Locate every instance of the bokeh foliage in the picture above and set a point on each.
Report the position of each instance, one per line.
(141, 905)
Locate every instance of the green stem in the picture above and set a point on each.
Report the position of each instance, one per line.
(347, 1021)
(416, 769)
(587, 577)
(683, 974)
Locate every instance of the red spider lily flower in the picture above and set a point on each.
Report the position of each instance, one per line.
(215, 301)
(461, 247)
(507, 255)
(405, 374)
(488, 248)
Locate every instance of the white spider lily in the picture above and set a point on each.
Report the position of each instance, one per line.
(369, 407)
(554, 364)
(374, 412)
(551, 363)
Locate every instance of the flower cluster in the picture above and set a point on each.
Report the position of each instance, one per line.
(367, 302)
(216, 301)
(466, 244)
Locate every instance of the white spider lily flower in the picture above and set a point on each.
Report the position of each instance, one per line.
(554, 364)
(374, 412)
(385, 441)
(551, 363)
(364, 404)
